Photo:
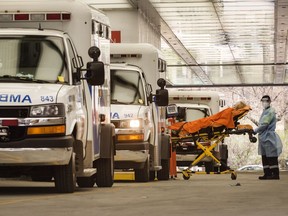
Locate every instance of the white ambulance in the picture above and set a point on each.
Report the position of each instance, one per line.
(139, 115)
(55, 117)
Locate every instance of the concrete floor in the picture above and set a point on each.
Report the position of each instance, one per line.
(200, 195)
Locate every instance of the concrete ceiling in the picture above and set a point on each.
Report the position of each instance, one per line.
(219, 42)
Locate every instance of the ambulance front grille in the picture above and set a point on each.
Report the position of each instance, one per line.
(14, 112)
(15, 133)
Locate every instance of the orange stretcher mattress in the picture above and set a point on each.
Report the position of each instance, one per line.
(225, 118)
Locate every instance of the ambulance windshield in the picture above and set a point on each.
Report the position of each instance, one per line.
(40, 58)
(126, 87)
(196, 113)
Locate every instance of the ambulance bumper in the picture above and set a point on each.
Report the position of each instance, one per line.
(131, 155)
(38, 151)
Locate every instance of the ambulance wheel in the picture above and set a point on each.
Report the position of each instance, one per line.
(86, 182)
(152, 175)
(65, 177)
(233, 176)
(224, 166)
(143, 175)
(209, 167)
(163, 174)
(105, 171)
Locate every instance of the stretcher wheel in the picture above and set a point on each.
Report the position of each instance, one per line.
(186, 177)
(233, 176)
(186, 174)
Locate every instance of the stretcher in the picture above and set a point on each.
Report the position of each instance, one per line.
(213, 129)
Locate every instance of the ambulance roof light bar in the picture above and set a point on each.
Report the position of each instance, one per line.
(50, 16)
(125, 55)
(192, 98)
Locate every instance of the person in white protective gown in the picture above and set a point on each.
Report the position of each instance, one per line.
(270, 145)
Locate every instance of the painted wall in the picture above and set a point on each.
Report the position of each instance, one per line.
(135, 27)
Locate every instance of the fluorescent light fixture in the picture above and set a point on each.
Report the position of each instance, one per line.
(109, 4)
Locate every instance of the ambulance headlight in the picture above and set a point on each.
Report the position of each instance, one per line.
(132, 123)
(47, 110)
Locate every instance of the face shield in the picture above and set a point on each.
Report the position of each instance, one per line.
(265, 102)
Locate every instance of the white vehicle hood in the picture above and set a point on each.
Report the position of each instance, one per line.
(28, 93)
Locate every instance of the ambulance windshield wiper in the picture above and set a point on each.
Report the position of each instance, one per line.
(115, 101)
(21, 79)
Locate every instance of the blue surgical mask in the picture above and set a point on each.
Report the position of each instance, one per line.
(265, 104)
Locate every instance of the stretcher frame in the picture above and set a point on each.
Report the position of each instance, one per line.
(215, 136)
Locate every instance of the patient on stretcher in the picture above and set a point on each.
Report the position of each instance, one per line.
(225, 119)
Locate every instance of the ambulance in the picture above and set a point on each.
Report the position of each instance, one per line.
(54, 97)
(193, 105)
(138, 101)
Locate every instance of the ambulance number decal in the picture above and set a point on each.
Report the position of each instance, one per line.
(117, 115)
(47, 98)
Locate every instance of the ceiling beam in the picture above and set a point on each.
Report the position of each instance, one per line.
(231, 64)
(227, 85)
(280, 45)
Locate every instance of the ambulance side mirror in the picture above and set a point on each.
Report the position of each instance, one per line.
(181, 114)
(95, 73)
(162, 95)
(95, 70)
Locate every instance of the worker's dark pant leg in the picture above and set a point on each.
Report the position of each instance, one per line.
(266, 168)
(274, 167)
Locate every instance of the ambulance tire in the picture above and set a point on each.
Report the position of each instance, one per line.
(105, 171)
(152, 175)
(86, 182)
(143, 175)
(209, 167)
(65, 177)
(163, 174)
(224, 166)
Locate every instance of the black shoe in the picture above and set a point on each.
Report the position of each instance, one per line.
(264, 177)
(267, 173)
(273, 177)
